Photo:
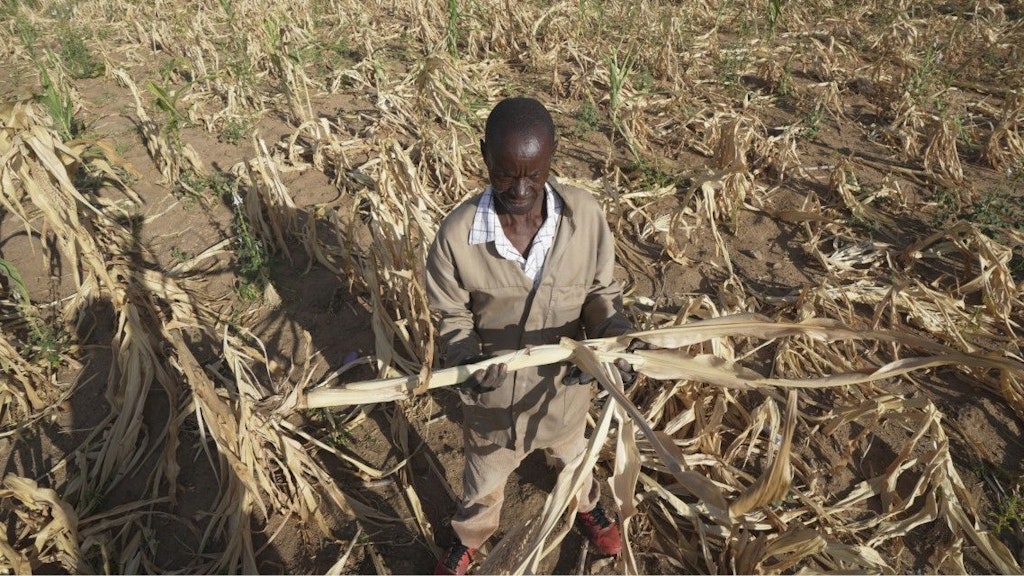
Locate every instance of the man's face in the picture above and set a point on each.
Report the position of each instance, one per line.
(518, 167)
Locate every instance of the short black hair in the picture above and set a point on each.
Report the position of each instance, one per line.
(518, 114)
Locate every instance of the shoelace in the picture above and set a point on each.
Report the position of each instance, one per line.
(455, 555)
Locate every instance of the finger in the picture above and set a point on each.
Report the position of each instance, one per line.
(572, 377)
(494, 377)
(638, 344)
(628, 378)
(623, 365)
(478, 377)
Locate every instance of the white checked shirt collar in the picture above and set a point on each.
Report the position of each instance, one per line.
(487, 229)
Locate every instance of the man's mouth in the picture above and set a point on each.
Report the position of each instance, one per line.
(517, 202)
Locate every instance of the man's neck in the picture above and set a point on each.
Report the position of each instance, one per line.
(520, 229)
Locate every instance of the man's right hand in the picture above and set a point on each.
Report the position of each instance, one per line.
(486, 380)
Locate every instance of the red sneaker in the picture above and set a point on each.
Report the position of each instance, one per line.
(601, 531)
(456, 561)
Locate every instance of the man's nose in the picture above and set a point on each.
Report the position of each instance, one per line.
(521, 186)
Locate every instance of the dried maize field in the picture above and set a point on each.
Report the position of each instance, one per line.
(217, 355)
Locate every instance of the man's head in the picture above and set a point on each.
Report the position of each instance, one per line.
(518, 145)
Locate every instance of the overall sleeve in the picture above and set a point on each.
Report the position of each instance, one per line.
(602, 309)
(449, 302)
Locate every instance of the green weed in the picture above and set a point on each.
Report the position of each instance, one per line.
(868, 226)
(11, 7)
(336, 435)
(329, 56)
(652, 174)
(77, 58)
(176, 69)
(176, 120)
(772, 13)
(619, 70)
(234, 130)
(252, 259)
(46, 342)
(452, 31)
(27, 34)
(731, 63)
(180, 255)
(813, 123)
(1016, 174)
(998, 210)
(784, 87)
(168, 102)
(47, 345)
(586, 118)
(925, 81)
(947, 206)
(1009, 516)
(192, 186)
(60, 107)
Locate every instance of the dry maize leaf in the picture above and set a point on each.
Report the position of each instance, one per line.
(773, 484)
(568, 484)
(54, 523)
(695, 483)
(626, 473)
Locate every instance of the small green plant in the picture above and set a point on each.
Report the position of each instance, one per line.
(813, 122)
(180, 255)
(1009, 516)
(784, 87)
(27, 34)
(774, 10)
(618, 72)
(229, 11)
(923, 82)
(947, 206)
(76, 56)
(47, 345)
(252, 259)
(452, 31)
(189, 187)
(46, 342)
(998, 210)
(176, 120)
(1016, 174)
(60, 106)
(586, 118)
(868, 226)
(731, 63)
(200, 187)
(234, 130)
(995, 212)
(168, 102)
(176, 69)
(643, 80)
(336, 435)
(652, 174)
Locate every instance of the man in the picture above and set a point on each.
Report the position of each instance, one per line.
(525, 263)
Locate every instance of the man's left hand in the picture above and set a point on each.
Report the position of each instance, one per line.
(577, 376)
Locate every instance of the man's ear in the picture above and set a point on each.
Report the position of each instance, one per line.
(483, 153)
